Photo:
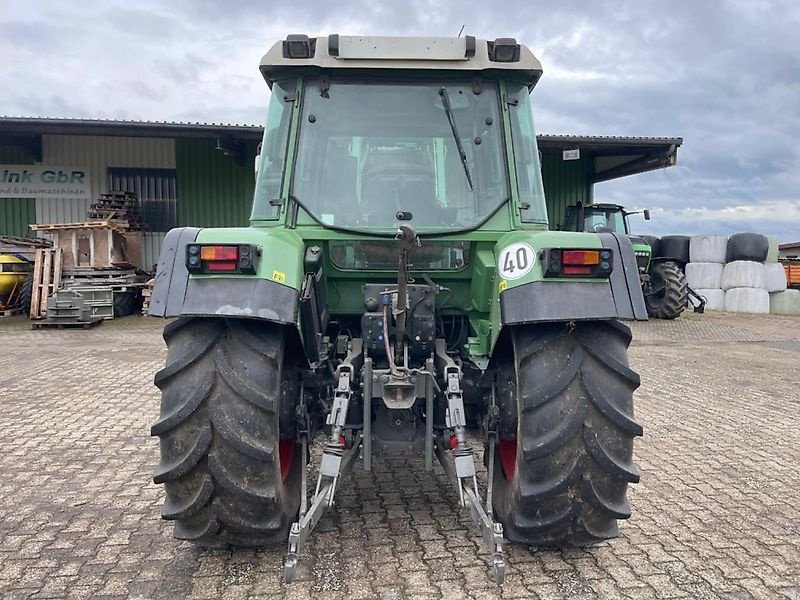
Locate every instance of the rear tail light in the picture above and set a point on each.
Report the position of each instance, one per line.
(214, 253)
(580, 257)
(222, 258)
(569, 262)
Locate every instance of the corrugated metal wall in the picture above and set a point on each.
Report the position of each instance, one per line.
(151, 247)
(565, 182)
(213, 191)
(96, 154)
(16, 213)
(155, 190)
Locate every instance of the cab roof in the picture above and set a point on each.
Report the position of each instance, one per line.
(365, 53)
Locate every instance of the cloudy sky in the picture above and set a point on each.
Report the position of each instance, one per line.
(723, 75)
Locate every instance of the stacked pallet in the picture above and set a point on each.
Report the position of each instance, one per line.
(147, 291)
(118, 207)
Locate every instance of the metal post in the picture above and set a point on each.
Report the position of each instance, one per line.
(367, 430)
(429, 415)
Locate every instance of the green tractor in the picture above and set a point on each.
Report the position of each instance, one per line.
(397, 283)
(666, 293)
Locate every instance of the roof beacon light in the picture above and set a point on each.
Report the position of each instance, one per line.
(504, 50)
(297, 45)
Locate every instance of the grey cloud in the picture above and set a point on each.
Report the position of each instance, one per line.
(723, 75)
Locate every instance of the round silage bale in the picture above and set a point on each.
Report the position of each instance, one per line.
(747, 246)
(653, 242)
(742, 274)
(715, 299)
(774, 277)
(675, 247)
(786, 302)
(705, 275)
(708, 248)
(747, 300)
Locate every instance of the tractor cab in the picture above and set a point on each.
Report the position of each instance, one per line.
(600, 218)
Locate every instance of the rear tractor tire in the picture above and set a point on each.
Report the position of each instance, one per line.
(230, 464)
(25, 295)
(668, 295)
(565, 455)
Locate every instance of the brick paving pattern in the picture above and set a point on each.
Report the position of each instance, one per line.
(717, 513)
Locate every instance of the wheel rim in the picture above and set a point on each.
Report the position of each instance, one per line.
(507, 449)
(286, 453)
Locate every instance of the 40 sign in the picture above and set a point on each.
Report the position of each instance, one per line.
(516, 260)
(41, 181)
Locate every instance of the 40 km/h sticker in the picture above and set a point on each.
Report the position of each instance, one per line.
(516, 260)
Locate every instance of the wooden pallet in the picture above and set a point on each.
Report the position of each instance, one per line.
(147, 292)
(10, 312)
(93, 322)
(92, 224)
(46, 279)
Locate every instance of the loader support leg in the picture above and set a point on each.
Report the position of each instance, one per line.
(461, 470)
(336, 460)
(367, 430)
(429, 397)
(491, 532)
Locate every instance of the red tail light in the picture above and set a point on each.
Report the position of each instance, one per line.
(577, 262)
(577, 270)
(222, 258)
(222, 266)
(211, 253)
(580, 257)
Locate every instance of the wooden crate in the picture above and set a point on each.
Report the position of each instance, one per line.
(96, 244)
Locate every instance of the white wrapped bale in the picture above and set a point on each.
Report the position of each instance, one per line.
(742, 274)
(785, 303)
(705, 275)
(772, 252)
(708, 249)
(747, 300)
(715, 299)
(774, 277)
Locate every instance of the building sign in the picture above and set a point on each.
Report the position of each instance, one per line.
(43, 181)
(572, 154)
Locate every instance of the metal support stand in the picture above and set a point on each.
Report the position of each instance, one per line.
(429, 397)
(367, 427)
(462, 469)
(336, 462)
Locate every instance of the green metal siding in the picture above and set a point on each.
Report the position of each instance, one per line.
(212, 190)
(16, 213)
(565, 182)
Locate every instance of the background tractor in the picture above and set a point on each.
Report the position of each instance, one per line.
(398, 281)
(666, 293)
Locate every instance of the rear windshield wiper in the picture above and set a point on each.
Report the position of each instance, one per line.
(449, 110)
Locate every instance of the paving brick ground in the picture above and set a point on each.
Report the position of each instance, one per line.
(717, 513)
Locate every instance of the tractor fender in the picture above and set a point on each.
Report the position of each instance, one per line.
(270, 295)
(541, 300)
